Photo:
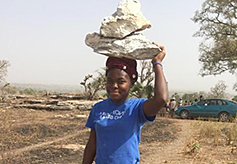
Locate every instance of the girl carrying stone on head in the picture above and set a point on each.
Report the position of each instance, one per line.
(116, 122)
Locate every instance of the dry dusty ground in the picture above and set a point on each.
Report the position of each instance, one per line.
(58, 137)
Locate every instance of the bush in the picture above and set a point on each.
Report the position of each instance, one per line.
(28, 91)
(221, 133)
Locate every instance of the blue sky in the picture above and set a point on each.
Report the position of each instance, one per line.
(44, 40)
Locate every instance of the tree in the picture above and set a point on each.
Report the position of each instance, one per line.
(217, 19)
(93, 85)
(234, 98)
(176, 96)
(235, 87)
(190, 97)
(218, 91)
(28, 91)
(3, 69)
(3, 72)
(2, 95)
(143, 87)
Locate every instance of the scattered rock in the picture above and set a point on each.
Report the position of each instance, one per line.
(20, 96)
(84, 107)
(31, 101)
(81, 116)
(71, 116)
(73, 147)
(44, 107)
(67, 97)
(51, 103)
(63, 103)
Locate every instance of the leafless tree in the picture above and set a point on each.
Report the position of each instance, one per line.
(93, 85)
(143, 87)
(3, 69)
(218, 91)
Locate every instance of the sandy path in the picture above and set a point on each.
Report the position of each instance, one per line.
(172, 152)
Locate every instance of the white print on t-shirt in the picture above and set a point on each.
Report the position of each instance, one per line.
(114, 115)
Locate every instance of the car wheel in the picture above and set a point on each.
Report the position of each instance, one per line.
(184, 114)
(224, 116)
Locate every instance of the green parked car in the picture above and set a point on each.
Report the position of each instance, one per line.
(222, 109)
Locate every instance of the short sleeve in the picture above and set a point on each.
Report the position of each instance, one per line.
(90, 121)
(142, 117)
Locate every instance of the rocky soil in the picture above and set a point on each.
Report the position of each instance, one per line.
(50, 129)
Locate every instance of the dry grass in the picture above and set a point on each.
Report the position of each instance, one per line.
(23, 130)
(215, 142)
(219, 133)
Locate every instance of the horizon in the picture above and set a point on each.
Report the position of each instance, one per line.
(72, 88)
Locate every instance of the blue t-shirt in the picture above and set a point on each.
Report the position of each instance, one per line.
(118, 130)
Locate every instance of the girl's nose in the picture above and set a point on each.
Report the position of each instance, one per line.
(115, 85)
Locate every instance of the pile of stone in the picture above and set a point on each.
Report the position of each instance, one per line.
(119, 34)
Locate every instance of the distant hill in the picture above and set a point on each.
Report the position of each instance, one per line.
(49, 87)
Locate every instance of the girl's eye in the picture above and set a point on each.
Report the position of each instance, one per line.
(121, 81)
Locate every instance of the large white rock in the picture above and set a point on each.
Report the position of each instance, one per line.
(127, 19)
(135, 46)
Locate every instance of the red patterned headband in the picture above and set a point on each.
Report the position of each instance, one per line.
(127, 65)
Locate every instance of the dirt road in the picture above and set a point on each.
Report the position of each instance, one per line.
(169, 152)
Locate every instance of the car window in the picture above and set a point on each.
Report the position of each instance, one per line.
(224, 103)
(208, 102)
(220, 102)
(212, 102)
(201, 103)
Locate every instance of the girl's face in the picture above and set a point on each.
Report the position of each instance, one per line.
(118, 85)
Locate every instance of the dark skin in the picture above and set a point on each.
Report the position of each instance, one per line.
(118, 86)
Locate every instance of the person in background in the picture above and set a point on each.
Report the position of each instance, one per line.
(163, 111)
(185, 103)
(195, 101)
(173, 106)
(201, 98)
(180, 103)
(116, 122)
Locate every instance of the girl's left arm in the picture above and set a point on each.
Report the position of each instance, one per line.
(153, 105)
